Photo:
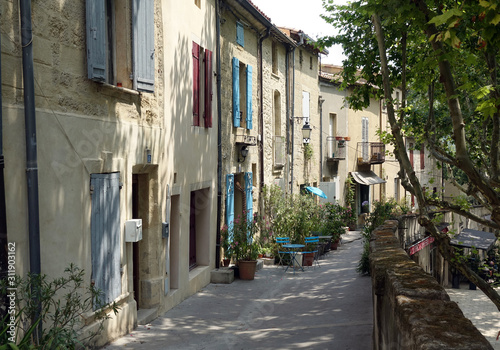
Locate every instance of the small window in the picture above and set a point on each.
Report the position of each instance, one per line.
(310, 62)
(240, 34)
(274, 54)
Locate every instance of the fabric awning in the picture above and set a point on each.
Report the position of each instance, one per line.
(367, 178)
(473, 238)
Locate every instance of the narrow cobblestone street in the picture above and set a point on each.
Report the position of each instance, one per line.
(327, 307)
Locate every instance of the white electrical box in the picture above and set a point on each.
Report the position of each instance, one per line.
(133, 230)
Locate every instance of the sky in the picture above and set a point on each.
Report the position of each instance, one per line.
(302, 15)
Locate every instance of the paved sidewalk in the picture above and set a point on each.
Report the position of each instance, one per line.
(329, 307)
(480, 310)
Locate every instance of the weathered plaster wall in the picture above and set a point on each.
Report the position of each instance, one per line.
(84, 127)
(411, 310)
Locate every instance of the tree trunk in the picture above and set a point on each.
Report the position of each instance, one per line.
(442, 239)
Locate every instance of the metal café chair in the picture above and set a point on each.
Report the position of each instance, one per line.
(281, 251)
(313, 242)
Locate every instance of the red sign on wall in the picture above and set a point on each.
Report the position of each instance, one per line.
(420, 245)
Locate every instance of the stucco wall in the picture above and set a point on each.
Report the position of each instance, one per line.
(84, 127)
(411, 309)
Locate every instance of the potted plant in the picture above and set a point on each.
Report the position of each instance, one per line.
(226, 246)
(244, 246)
(333, 224)
(309, 249)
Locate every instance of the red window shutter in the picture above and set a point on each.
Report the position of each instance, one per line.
(422, 157)
(208, 89)
(196, 84)
(411, 155)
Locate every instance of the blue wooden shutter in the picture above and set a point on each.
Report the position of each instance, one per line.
(143, 44)
(196, 84)
(249, 97)
(249, 203)
(230, 204)
(240, 34)
(105, 235)
(208, 89)
(236, 92)
(96, 40)
(248, 192)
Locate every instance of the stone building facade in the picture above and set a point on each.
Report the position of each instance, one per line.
(126, 130)
(255, 73)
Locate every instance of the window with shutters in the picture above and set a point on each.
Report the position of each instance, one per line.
(120, 43)
(202, 86)
(242, 95)
(240, 34)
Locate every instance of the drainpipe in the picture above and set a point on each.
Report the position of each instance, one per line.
(261, 109)
(31, 149)
(321, 100)
(287, 89)
(219, 138)
(3, 208)
(292, 118)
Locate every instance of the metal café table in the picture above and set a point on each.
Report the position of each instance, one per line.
(294, 250)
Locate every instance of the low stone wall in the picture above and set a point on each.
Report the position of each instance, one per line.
(411, 310)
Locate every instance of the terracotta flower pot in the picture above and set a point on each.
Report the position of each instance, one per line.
(335, 244)
(247, 269)
(308, 259)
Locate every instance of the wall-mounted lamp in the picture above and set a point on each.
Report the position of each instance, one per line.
(243, 154)
(306, 129)
(148, 155)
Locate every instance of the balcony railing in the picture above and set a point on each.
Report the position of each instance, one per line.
(279, 151)
(335, 148)
(371, 153)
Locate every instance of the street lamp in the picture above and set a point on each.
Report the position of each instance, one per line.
(306, 130)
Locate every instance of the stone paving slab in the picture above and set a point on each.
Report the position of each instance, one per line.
(478, 308)
(326, 307)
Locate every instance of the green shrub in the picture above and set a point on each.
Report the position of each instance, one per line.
(62, 303)
(382, 211)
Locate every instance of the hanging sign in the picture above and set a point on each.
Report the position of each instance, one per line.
(420, 245)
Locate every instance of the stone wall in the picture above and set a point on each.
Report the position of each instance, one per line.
(411, 310)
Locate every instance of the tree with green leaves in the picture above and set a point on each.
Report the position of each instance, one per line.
(444, 58)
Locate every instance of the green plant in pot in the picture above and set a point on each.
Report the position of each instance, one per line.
(244, 247)
(333, 223)
(226, 245)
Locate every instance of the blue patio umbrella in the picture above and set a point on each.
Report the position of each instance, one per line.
(316, 191)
